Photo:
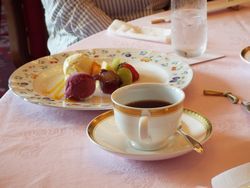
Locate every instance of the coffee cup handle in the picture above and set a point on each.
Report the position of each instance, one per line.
(143, 128)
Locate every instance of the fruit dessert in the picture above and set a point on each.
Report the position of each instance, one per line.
(115, 75)
(79, 86)
(82, 73)
(80, 63)
(108, 81)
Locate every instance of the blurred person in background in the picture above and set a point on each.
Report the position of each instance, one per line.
(69, 21)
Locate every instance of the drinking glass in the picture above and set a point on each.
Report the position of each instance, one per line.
(189, 27)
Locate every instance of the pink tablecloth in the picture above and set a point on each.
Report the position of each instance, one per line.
(48, 147)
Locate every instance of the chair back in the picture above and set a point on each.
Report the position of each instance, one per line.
(27, 30)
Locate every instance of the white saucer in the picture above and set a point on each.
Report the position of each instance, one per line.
(103, 132)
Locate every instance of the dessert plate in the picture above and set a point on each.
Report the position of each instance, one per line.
(103, 132)
(42, 81)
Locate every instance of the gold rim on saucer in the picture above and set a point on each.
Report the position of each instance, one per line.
(103, 132)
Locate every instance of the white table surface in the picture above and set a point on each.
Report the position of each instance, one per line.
(48, 147)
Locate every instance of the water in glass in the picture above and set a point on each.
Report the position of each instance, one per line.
(189, 32)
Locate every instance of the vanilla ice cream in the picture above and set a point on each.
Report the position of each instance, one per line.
(77, 63)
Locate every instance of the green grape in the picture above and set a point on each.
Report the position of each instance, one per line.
(109, 68)
(106, 66)
(125, 76)
(115, 63)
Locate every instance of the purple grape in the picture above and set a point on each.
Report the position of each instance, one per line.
(109, 81)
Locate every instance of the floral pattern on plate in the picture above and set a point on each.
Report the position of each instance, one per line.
(24, 81)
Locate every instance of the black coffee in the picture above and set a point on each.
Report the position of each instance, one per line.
(148, 104)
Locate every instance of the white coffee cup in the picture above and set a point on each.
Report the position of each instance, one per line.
(148, 128)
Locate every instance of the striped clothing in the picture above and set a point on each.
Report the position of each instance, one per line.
(68, 21)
